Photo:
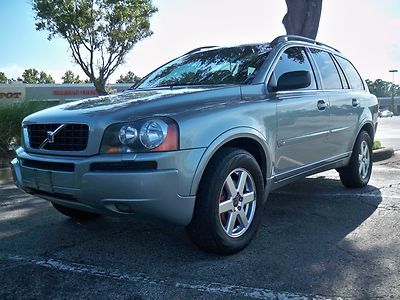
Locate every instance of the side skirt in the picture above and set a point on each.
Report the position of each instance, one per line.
(280, 180)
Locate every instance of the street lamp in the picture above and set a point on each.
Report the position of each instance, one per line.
(393, 71)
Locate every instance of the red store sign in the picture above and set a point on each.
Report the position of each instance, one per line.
(74, 92)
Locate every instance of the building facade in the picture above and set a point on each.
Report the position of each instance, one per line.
(51, 92)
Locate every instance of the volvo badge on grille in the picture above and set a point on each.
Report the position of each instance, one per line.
(51, 135)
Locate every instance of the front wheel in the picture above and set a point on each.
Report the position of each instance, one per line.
(358, 172)
(229, 203)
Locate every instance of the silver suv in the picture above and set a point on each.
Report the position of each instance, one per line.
(203, 140)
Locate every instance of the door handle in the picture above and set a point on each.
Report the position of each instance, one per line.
(355, 102)
(322, 105)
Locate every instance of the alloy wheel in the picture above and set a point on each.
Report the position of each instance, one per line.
(364, 160)
(237, 204)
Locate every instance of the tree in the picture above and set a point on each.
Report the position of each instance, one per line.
(99, 32)
(3, 78)
(34, 76)
(69, 77)
(30, 76)
(45, 78)
(130, 77)
(303, 17)
(381, 88)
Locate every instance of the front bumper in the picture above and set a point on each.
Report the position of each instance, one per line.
(162, 192)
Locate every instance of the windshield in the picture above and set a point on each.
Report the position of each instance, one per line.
(234, 65)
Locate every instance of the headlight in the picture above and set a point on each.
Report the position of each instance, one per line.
(153, 133)
(127, 135)
(159, 134)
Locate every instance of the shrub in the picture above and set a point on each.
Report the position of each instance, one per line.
(377, 145)
(11, 117)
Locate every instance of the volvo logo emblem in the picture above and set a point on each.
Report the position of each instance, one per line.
(50, 136)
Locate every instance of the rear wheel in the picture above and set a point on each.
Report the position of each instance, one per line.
(358, 172)
(74, 213)
(229, 203)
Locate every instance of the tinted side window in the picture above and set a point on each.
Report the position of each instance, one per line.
(342, 77)
(351, 73)
(327, 68)
(294, 59)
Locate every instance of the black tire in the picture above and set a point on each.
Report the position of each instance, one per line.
(206, 229)
(351, 176)
(75, 213)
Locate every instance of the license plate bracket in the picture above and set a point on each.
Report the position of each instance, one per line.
(43, 180)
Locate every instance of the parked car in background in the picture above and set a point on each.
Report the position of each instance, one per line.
(385, 113)
(203, 140)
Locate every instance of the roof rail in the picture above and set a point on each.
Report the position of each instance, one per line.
(198, 49)
(286, 38)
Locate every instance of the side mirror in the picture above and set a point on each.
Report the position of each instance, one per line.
(292, 81)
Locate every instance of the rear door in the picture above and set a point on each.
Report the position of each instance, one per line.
(346, 109)
(302, 118)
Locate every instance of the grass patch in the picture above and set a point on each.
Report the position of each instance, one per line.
(377, 145)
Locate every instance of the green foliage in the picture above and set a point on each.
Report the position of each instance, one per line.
(130, 77)
(69, 77)
(45, 78)
(99, 32)
(3, 78)
(30, 76)
(11, 117)
(110, 90)
(377, 145)
(34, 76)
(381, 88)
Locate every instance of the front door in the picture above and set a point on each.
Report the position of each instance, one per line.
(302, 119)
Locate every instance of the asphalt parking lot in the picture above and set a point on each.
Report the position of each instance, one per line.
(317, 240)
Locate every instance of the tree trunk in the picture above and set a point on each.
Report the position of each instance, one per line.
(303, 17)
(100, 87)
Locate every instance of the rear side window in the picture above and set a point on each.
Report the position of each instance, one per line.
(351, 73)
(294, 59)
(329, 74)
(342, 77)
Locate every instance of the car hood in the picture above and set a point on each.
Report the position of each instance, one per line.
(134, 104)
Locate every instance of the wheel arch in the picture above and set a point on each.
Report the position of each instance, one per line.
(369, 128)
(365, 126)
(245, 138)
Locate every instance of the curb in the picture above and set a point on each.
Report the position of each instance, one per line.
(382, 154)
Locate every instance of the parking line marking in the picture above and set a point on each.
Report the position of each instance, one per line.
(211, 288)
(362, 195)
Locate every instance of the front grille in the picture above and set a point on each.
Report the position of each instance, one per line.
(44, 165)
(72, 137)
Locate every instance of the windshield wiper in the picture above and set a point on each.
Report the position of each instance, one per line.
(173, 85)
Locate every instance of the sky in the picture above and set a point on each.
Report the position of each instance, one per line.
(366, 31)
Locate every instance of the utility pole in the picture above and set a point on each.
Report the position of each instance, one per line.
(393, 71)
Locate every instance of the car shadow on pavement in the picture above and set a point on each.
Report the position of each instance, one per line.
(307, 241)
